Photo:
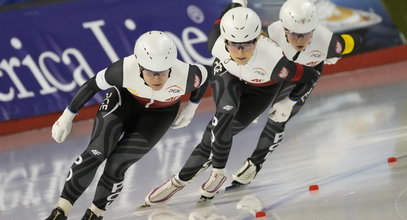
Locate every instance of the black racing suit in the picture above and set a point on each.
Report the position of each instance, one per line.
(124, 131)
(238, 103)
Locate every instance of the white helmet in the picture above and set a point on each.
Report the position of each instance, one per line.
(299, 16)
(155, 51)
(240, 24)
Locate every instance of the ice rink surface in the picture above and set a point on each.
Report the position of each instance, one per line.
(341, 141)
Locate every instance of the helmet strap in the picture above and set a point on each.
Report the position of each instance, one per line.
(226, 42)
(286, 38)
(141, 74)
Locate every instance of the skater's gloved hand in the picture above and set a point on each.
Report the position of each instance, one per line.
(242, 2)
(185, 116)
(281, 111)
(62, 126)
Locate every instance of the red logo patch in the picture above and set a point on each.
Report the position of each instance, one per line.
(172, 99)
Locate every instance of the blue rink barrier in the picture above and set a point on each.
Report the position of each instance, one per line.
(47, 52)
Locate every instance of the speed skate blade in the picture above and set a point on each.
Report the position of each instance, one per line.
(235, 186)
(204, 199)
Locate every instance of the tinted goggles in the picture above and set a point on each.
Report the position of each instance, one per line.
(232, 46)
(154, 73)
(297, 35)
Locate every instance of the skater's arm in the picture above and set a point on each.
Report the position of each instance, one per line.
(344, 44)
(104, 79)
(302, 90)
(199, 77)
(199, 81)
(286, 70)
(112, 76)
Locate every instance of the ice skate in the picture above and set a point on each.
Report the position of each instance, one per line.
(234, 186)
(244, 175)
(211, 187)
(57, 214)
(164, 192)
(89, 215)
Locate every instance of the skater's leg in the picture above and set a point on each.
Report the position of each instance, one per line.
(107, 128)
(138, 140)
(198, 161)
(85, 166)
(269, 140)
